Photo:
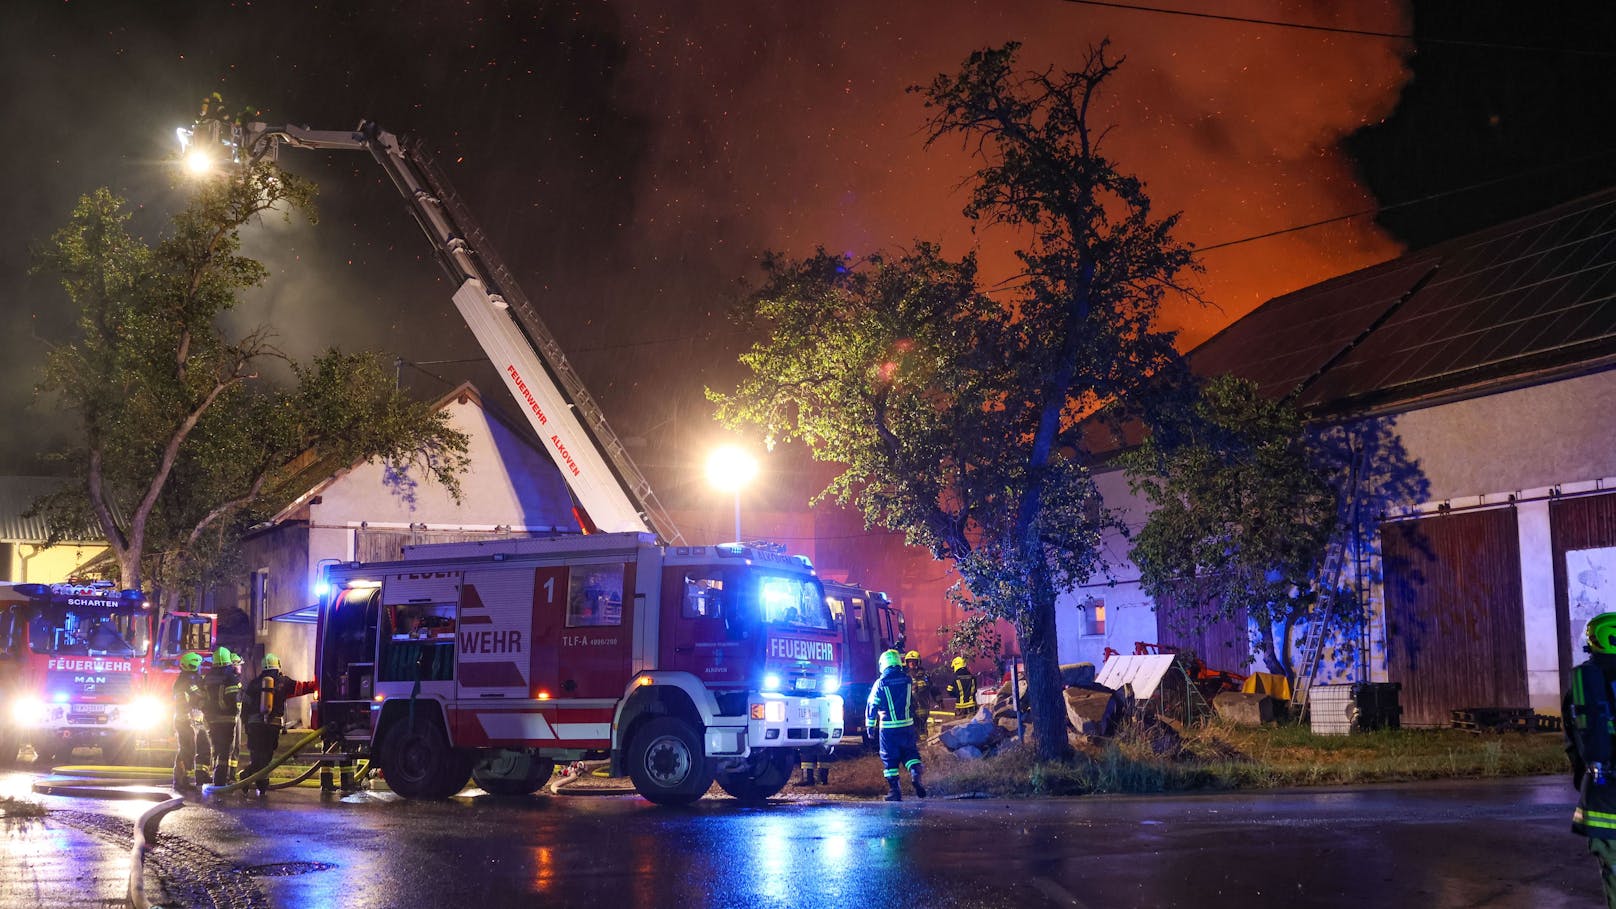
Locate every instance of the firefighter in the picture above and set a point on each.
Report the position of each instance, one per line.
(265, 698)
(924, 697)
(221, 709)
(192, 757)
(891, 709)
(1590, 731)
(815, 766)
(962, 688)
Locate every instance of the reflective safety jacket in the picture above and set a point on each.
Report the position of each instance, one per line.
(187, 697)
(891, 701)
(265, 697)
(1590, 730)
(221, 688)
(963, 690)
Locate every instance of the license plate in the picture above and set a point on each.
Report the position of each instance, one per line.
(88, 709)
(805, 684)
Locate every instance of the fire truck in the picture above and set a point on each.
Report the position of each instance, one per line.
(869, 624)
(79, 668)
(467, 661)
(491, 661)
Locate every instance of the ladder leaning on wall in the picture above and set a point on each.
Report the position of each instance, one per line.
(1311, 646)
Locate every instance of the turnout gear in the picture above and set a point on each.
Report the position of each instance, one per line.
(925, 698)
(265, 710)
(891, 709)
(962, 689)
(221, 708)
(1589, 709)
(193, 754)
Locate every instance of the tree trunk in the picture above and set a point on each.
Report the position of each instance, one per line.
(1271, 652)
(1048, 706)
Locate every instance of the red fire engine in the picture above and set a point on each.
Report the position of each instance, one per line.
(493, 660)
(869, 624)
(79, 667)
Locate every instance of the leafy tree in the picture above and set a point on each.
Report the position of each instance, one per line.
(1243, 511)
(180, 436)
(956, 412)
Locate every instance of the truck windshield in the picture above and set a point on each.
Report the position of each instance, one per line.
(91, 632)
(793, 601)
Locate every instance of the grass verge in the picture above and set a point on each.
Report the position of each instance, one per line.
(1221, 757)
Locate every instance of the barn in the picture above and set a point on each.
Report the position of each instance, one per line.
(1475, 380)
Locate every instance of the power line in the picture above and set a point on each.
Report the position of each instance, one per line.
(1340, 30)
(1408, 202)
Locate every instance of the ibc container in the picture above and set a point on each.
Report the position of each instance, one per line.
(1332, 709)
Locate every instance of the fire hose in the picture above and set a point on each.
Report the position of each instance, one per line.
(264, 772)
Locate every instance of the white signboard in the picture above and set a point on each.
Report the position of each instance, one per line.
(1590, 588)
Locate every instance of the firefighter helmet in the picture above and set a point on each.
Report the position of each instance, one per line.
(1601, 633)
(912, 655)
(270, 661)
(223, 656)
(958, 664)
(889, 660)
(191, 662)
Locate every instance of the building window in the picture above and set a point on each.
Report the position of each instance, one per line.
(258, 600)
(1094, 617)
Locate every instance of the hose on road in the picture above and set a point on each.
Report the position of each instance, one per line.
(263, 773)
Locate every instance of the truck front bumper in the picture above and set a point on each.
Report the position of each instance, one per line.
(780, 721)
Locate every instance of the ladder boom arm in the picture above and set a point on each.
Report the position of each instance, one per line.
(573, 428)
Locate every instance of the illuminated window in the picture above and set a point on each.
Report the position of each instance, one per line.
(1094, 617)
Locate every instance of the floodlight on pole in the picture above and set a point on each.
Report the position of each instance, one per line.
(730, 469)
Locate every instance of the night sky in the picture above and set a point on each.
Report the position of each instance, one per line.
(631, 160)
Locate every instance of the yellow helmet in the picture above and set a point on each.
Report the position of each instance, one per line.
(1601, 633)
(912, 655)
(958, 664)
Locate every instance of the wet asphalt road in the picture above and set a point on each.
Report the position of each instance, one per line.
(1471, 844)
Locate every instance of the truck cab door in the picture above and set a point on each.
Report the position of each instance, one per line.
(705, 631)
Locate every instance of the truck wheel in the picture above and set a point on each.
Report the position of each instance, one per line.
(667, 763)
(419, 763)
(119, 751)
(507, 772)
(763, 775)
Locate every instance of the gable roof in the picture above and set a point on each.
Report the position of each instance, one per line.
(314, 472)
(1520, 303)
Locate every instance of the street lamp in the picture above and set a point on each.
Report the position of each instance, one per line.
(730, 468)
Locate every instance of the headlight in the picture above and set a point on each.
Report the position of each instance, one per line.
(144, 712)
(830, 685)
(28, 711)
(774, 711)
(771, 682)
